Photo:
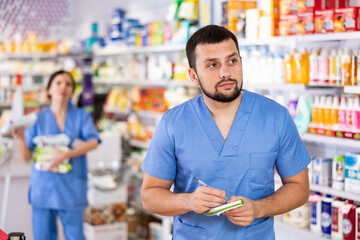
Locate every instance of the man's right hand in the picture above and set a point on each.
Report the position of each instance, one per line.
(19, 133)
(205, 198)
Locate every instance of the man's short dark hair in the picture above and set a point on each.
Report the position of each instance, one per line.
(207, 35)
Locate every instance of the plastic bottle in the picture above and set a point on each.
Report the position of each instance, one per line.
(323, 68)
(356, 115)
(304, 66)
(349, 114)
(335, 113)
(346, 68)
(314, 68)
(327, 112)
(88, 91)
(287, 68)
(358, 68)
(297, 67)
(315, 113)
(332, 67)
(17, 106)
(354, 67)
(303, 115)
(337, 219)
(342, 114)
(338, 67)
(293, 101)
(321, 111)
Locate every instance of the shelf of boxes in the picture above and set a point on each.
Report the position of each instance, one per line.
(294, 87)
(27, 55)
(296, 230)
(330, 140)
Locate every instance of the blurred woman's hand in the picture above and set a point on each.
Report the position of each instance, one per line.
(19, 133)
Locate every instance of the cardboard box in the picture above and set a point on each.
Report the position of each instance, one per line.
(288, 7)
(352, 173)
(333, 4)
(288, 25)
(346, 19)
(324, 21)
(97, 197)
(305, 23)
(308, 5)
(269, 18)
(116, 231)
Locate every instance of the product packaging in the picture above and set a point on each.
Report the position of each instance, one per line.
(324, 21)
(315, 223)
(338, 172)
(357, 229)
(346, 19)
(352, 173)
(288, 25)
(337, 219)
(322, 171)
(326, 216)
(305, 23)
(349, 213)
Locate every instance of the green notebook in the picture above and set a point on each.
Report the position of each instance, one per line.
(226, 207)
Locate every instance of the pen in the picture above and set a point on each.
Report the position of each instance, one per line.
(204, 184)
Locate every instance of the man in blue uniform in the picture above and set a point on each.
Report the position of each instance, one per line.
(229, 138)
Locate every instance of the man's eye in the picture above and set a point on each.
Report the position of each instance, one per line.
(233, 60)
(212, 65)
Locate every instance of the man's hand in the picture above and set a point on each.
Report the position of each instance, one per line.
(205, 198)
(243, 215)
(57, 159)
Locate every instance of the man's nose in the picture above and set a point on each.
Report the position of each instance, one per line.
(224, 72)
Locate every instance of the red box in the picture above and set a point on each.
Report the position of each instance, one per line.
(305, 23)
(346, 19)
(324, 21)
(288, 7)
(288, 25)
(319, 4)
(333, 4)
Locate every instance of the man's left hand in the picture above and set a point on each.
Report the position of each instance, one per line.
(243, 215)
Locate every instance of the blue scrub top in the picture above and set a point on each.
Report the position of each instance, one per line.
(58, 190)
(187, 143)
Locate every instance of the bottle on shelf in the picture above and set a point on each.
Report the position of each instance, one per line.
(321, 112)
(342, 114)
(338, 67)
(346, 68)
(304, 66)
(323, 61)
(335, 113)
(349, 212)
(356, 115)
(326, 218)
(17, 106)
(327, 112)
(315, 113)
(354, 67)
(332, 67)
(349, 114)
(314, 67)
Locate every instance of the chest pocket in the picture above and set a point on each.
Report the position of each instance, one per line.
(261, 172)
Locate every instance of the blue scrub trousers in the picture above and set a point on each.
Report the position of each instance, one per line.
(44, 224)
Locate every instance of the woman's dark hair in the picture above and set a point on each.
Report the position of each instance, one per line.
(57, 73)
(207, 35)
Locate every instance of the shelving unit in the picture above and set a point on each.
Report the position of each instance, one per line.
(144, 83)
(352, 89)
(296, 232)
(335, 192)
(136, 50)
(301, 88)
(330, 140)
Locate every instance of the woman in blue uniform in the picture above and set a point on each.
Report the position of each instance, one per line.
(53, 194)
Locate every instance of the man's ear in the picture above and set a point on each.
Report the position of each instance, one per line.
(193, 76)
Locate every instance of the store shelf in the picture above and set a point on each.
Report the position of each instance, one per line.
(294, 87)
(335, 192)
(330, 140)
(147, 83)
(131, 50)
(116, 110)
(25, 74)
(149, 114)
(139, 144)
(288, 40)
(27, 55)
(352, 89)
(295, 231)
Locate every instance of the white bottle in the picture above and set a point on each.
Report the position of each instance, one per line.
(315, 223)
(323, 60)
(17, 106)
(342, 114)
(335, 113)
(314, 68)
(356, 115)
(349, 114)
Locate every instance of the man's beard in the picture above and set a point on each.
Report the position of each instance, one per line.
(220, 97)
